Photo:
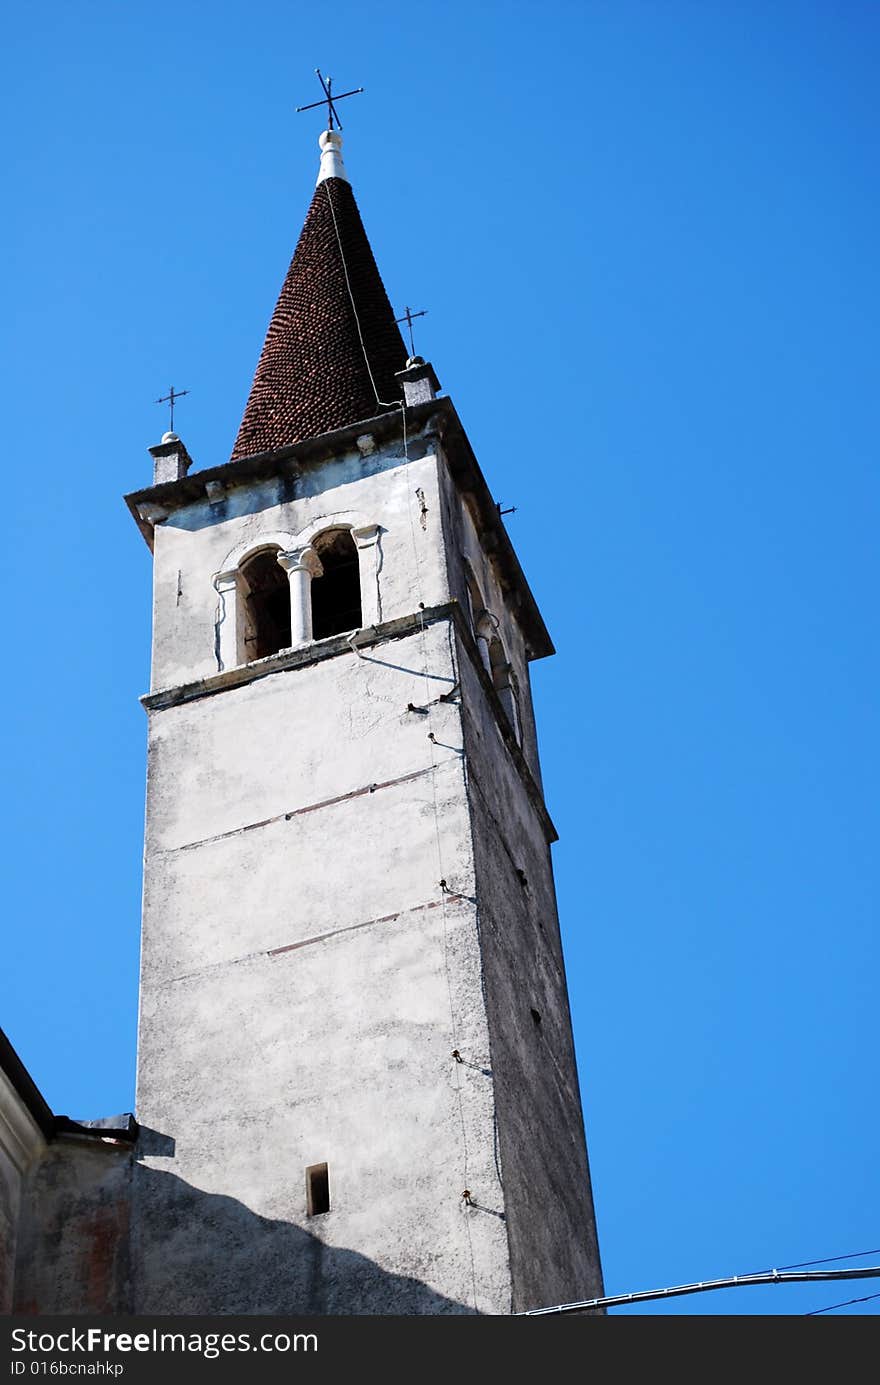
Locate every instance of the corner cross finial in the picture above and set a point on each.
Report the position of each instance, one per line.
(408, 317)
(328, 100)
(170, 399)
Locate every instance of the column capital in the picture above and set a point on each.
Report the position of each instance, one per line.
(303, 559)
(226, 581)
(367, 535)
(301, 565)
(486, 625)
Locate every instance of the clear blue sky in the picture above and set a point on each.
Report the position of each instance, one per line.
(647, 239)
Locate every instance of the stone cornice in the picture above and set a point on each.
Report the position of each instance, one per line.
(283, 461)
(312, 653)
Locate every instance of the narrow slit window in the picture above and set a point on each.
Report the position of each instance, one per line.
(317, 1189)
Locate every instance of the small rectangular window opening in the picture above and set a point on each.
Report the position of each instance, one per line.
(317, 1189)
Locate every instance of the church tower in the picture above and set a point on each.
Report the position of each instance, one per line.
(356, 1080)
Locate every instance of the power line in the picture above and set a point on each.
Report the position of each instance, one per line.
(829, 1260)
(736, 1281)
(831, 1307)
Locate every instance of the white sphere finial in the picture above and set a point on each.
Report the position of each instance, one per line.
(330, 144)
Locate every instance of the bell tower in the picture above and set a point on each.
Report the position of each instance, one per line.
(356, 1081)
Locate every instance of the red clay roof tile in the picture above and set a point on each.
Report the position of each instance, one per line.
(312, 376)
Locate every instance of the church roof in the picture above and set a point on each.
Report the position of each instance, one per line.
(332, 329)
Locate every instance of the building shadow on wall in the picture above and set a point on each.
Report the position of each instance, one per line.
(196, 1252)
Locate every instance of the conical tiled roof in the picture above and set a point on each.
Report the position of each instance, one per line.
(312, 375)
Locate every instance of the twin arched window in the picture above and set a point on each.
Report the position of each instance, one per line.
(487, 631)
(285, 598)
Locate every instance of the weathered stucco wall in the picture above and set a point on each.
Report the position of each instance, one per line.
(553, 1245)
(547, 1194)
(73, 1241)
(305, 980)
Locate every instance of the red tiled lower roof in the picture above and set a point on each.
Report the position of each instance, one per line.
(312, 376)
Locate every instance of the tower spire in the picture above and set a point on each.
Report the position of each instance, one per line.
(333, 347)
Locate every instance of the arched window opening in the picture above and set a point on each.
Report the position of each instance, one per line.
(504, 683)
(265, 599)
(336, 594)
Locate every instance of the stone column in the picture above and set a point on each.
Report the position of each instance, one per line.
(486, 630)
(226, 631)
(301, 565)
(369, 562)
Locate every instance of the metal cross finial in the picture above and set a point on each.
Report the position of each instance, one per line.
(329, 98)
(408, 316)
(169, 399)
